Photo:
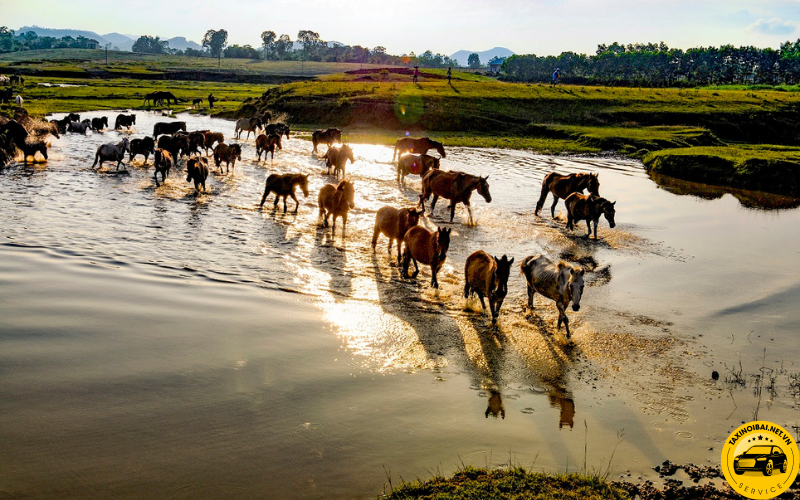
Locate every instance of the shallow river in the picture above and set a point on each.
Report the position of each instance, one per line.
(155, 343)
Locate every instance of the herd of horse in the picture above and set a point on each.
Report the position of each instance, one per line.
(484, 275)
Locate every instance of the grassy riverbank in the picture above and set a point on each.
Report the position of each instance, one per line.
(478, 111)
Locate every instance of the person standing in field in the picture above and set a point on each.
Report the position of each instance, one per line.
(416, 74)
(449, 74)
(556, 76)
(211, 100)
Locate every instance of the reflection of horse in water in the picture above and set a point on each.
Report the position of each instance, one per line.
(560, 398)
(495, 406)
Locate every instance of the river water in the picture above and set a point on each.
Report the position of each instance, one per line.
(158, 343)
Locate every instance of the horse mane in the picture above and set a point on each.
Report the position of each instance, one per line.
(342, 184)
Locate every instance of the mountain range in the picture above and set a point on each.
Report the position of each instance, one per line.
(462, 55)
(116, 40)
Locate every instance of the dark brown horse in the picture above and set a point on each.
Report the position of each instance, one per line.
(284, 185)
(415, 164)
(197, 171)
(228, 154)
(589, 208)
(167, 128)
(394, 223)
(487, 276)
(210, 138)
(266, 144)
(426, 247)
(177, 145)
(337, 158)
(416, 146)
(327, 137)
(277, 128)
(30, 149)
(564, 185)
(336, 200)
(144, 146)
(456, 187)
(124, 121)
(99, 124)
(162, 162)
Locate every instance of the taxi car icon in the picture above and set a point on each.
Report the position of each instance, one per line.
(764, 458)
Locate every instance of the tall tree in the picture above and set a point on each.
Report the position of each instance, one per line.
(309, 39)
(283, 46)
(268, 43)
(215, 41)
(474, 60)
(150, 45)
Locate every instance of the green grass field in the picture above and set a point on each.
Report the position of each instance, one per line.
(82, 62)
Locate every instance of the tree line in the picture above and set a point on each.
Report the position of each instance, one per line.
(11, 42)
(657, 65)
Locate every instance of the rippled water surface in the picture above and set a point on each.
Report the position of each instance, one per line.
(158, 343)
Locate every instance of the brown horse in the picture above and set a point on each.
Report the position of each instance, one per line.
(163, 161)
(337, 158)
(394, 223)
(564, 185)
(177, 145)
(328, 137)
(337, 201)
(415, 164)
(284, 185)
(228, 154)
(487, 276)
(589, 208)
(560, 282)
(209, 138)
(197, 171)
(454, 186)
(266, 144)
(426, 247)
(417, 146)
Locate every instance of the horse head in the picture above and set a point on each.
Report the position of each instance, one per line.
(349, 192)
(126, 145)
(483, 189)
(237, 149)
(347, 151)
(413, 215)
(609, 211)
(503, 271)
(594, 184)
(443, 242)
(304, 185)
(573, 284)
(439, 148)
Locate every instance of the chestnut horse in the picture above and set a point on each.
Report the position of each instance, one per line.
(560, 282)
(209, 138)
(337, 201)
(454, 186)
(337, 158)
(589, 208)
(418, 146)
(284, 185)
(394, 223)
(228, 154)
(266, 144)
(487, 276)
(426, 247)
(162, 162)
(564, 185)
(415, 164)
(197, 171)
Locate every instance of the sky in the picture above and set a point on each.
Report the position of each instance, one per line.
(541, 27)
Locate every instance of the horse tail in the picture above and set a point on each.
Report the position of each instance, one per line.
(543, 195)
(526, 265)
(396, 145)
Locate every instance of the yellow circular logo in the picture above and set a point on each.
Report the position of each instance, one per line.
(760, 460)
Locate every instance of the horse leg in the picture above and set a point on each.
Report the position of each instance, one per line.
(466, 288)
(277, 198)
(589, 225)
(433, 202)
(553, 207)
(469, 210)
(483, 304)
(531, 293)
(284, 203)
(375, 233)
(296, 203)
(155, 177)
(542, 198)
(452, 209)
(570, 226)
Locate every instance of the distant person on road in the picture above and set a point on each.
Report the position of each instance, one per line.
(556, 76)
(211, 100)
(449, 74)
(416, 74)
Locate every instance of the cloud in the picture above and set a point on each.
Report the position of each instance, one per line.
(773, 26)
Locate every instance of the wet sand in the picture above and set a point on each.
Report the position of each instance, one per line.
(159, 343)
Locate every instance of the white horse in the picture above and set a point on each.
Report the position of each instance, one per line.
(19, 100)
(561, 282)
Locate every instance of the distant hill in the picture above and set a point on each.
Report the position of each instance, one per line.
(122, 42)
(119, 40)
(462, 55)
(182, 43)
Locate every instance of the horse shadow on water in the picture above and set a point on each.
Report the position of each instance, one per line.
(332, 259)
